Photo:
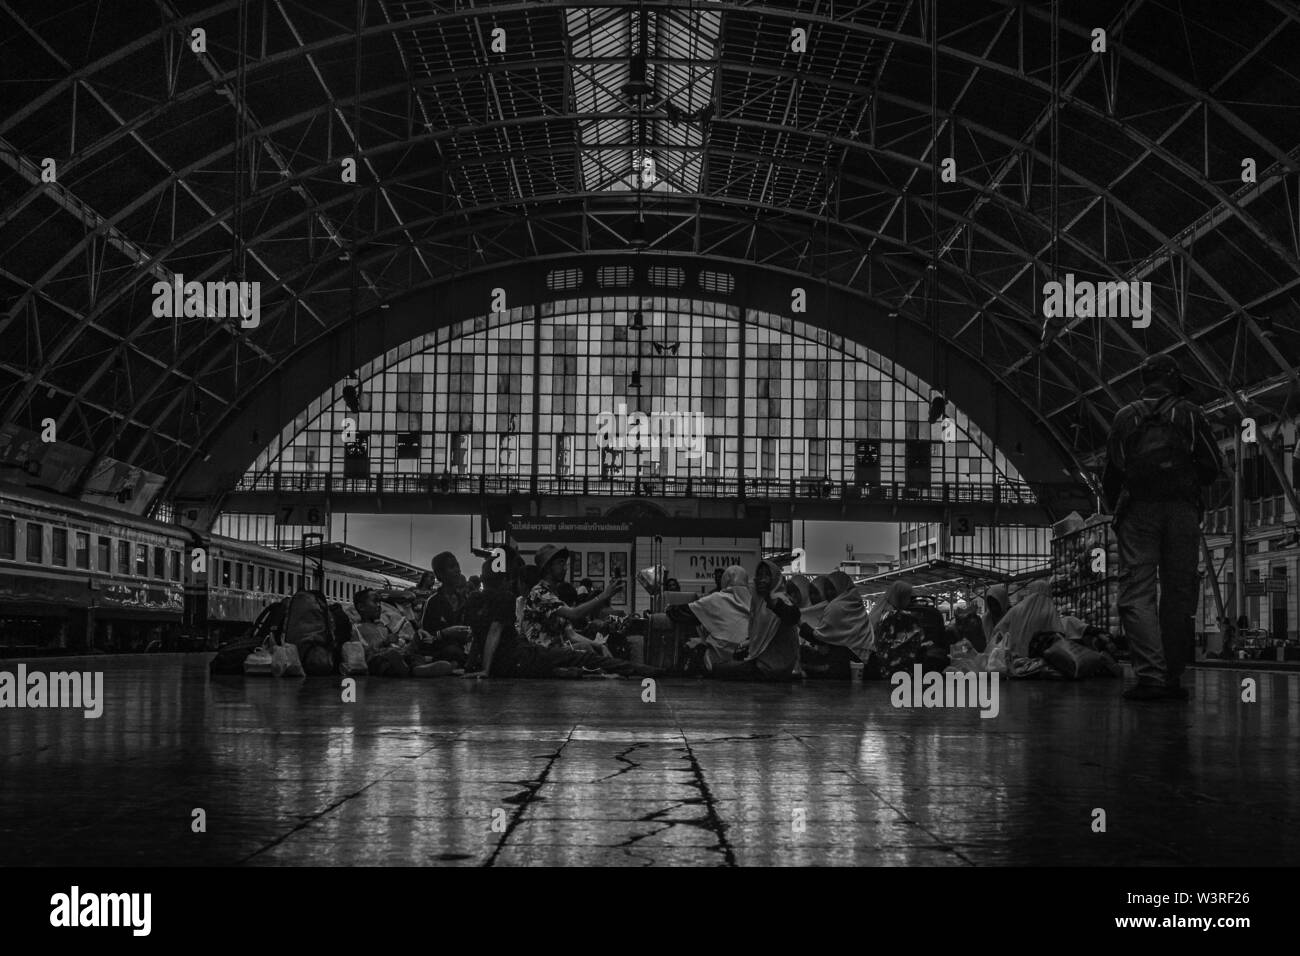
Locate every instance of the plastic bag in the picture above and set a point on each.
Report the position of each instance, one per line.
(354, 659)
(963, 657)
(258, 663)
(1074, 660)
(285, 662)
(997, 659)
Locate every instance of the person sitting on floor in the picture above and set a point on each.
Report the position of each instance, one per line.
(385, 650)
(548, 621)
(839, 632)
(772, 648)
(1034, 614)
(996, 605)
(498, 649)
(724, 615)
(442, 613)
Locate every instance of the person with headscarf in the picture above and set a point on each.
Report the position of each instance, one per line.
(996, 605)
(897, 596)
(724, 615)
(772, 647)
(1034, 614)
(837, 631)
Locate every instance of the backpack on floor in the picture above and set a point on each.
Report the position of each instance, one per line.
(269, 624)
(1158, 454)
(309, 626)
(230, 657)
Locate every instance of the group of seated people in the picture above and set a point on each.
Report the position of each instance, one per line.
(528, 621)
(522, 621)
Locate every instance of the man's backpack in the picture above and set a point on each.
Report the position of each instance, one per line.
(1158, 454)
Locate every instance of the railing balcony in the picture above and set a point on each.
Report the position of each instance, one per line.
(692, 486)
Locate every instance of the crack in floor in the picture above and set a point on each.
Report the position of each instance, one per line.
(622, 755)
(712, 820)
(525, 799)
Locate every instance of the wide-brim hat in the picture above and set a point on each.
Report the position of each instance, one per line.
(549, 552)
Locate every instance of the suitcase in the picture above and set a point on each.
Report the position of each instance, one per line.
(662, 644)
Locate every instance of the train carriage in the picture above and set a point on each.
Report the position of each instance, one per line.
(78, 577)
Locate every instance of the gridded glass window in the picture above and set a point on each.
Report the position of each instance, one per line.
(36, 543)
(142, 560)
(124, 557)
(740, 378)
(104, 558)
(60, 550)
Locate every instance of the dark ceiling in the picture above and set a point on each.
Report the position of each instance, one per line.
(226, 163)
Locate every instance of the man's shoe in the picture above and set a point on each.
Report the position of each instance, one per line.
(1146, 692)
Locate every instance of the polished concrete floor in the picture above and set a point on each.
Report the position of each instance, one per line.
(585, 772)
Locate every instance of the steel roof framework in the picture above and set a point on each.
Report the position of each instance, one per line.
(470, 159)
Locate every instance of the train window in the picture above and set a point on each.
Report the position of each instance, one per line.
(249, 577)
(142, 560)
(60, 540)
(225, 574)
(8, 538)
(175, 558)
(104, 559)
(35, 543)
(123, 557)
(280, 589)
(239, 574)
(83, 550)
(160, 563)
(261, 579)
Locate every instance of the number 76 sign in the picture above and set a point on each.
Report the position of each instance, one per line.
(301, 513)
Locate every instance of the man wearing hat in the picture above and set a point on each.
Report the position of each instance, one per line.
(547, 619)
(1160, 456)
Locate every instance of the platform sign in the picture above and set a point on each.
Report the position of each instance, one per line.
(1276, 585)
(1255, 589)
(308, 513)
(961, 526)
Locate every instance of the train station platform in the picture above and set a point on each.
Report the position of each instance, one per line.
(505, 773)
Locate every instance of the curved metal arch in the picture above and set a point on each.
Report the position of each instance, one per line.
(1064, 449)
(733, 7)
(981, 62)
(284, 183)
(1177, 252)
(959, 293)
(281, 183)
(219, 357)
